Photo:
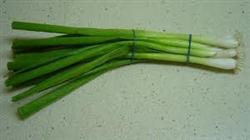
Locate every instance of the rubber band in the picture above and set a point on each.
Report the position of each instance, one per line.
(133, 47)
(189, 46)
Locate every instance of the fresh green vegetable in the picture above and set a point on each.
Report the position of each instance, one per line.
(81, 54)
(221, 63)
(227, 42)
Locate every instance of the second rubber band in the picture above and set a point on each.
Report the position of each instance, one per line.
(189, 47)
(134, 46)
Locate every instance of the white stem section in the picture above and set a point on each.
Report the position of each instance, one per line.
(225, 42)
(226, 53)
(222, 63)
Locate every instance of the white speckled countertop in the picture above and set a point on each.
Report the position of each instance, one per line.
(165, 102)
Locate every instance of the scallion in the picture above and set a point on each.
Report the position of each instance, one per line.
(82, 54)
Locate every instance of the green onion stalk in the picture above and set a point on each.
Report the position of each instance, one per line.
(80, 55)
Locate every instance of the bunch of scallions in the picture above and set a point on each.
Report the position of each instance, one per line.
(66, 62)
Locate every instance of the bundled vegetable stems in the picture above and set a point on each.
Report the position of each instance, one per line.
(82, 54)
